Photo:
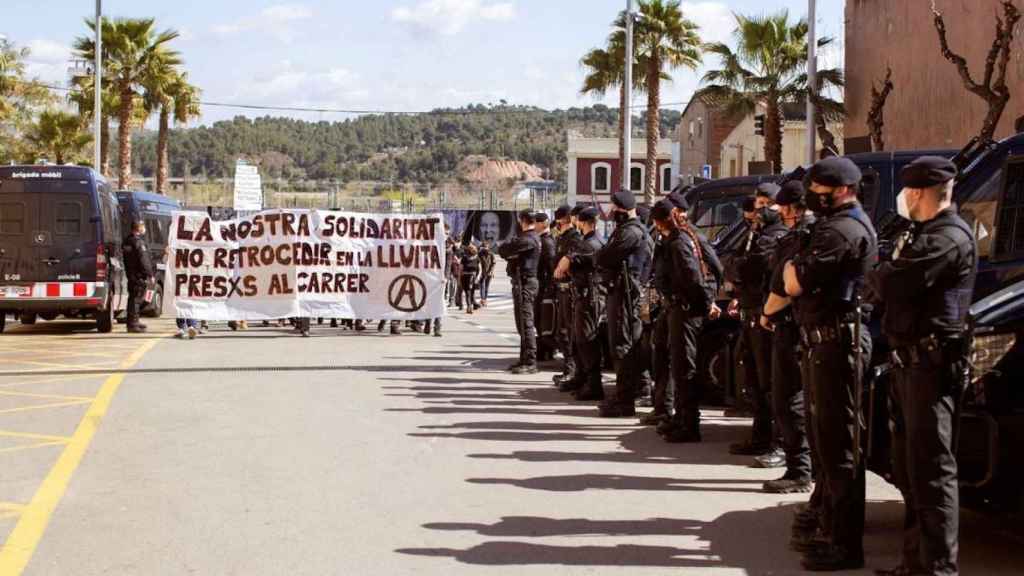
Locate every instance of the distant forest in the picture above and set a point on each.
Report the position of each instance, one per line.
(421, 149)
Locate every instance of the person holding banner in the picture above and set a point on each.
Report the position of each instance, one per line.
(522, 254)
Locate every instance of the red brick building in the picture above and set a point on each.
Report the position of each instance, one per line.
(929, 106)
(595, 170)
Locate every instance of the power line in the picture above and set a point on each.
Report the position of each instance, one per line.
(435, 112)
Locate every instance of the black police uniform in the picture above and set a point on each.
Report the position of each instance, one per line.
(621, 261)
(546, 282)
(523, 254)
(789, 408)
(749, 271)
(927, 291)
(661, 283)
(139, 270)
(588, 314)
(831, 272)
(567, 243)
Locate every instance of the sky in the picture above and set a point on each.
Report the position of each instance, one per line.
(394, 55)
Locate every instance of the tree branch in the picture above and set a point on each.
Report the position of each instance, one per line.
(1012, 15)
(956, 59)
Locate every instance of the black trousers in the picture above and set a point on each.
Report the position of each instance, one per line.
(136, 296)
(788, 400)
(662, 359)
(757, 364)
(624, 331)
(925, 468)
(468, 285)
(587, 309)
(830, 372)
(683, 334)
(564, 329)
(524, 297)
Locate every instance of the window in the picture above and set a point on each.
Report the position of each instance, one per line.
(636, 177)
(600, 177)
(156, 233)
(666, 179)
(68, 219)
(1010, 222)
(12, 218)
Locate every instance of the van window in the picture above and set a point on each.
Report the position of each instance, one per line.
(12, 218)
(156, 233)
(68, 219)
(1010, 230)
(979, 211)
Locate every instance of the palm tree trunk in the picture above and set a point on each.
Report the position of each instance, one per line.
(773, 133)
(623, 161)
(105, 146)
(124, 139)
(653, 127)
(161, 151)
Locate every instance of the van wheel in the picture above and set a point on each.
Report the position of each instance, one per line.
(105, 319)
(48, 316)
(156, 308)
(3, 321)
(28, 318)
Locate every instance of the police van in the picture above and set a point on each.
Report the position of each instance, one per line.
(155, 210)
(60, 245)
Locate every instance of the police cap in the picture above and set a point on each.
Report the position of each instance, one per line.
(768, 190)
(624, 199)
(577, 209)
(662, 210)
(792, 192)
(678, 201)
(588, 214)
(749, 204)
(562, 212)
(927, 171)
(527, 216)
(642, 212)
(834, 171)
(540, 217)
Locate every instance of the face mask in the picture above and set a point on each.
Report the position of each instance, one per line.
(902, 207)
(820, 203)
(620, 217)
(769, 216)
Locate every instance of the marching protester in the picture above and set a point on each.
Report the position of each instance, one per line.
(139, 270)
(523, 254)
(486, 271)
(927, 291)
(470, 275)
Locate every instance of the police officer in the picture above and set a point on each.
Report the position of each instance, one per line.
(827, 277)
(681, 279)
(789, 407)
(139, 269)
(580, 264)
(522, 254)
(622, 261)
(568, 237)
(748, 271)
(545, 279)
(927, 291)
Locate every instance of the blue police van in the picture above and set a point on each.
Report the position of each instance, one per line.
(60, 245)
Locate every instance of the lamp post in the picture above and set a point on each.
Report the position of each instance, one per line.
(97, 88)
(812, 80)
(627, 110)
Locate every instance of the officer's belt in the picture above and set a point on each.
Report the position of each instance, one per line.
(823, 334)
(929, 350)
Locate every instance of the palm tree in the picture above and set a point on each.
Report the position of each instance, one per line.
(58, 133)
(767, 68)
(665, 40)
(133, 49)
(83, 97)
(169, 94)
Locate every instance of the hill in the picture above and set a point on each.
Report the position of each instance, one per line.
(423, 149)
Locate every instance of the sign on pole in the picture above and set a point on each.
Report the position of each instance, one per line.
(248, 187)
(705, 172)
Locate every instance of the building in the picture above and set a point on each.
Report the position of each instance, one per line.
(700, 135)
(929, 106)
(595, 170)
(743, 146)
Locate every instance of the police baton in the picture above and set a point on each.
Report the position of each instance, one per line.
(858, 385)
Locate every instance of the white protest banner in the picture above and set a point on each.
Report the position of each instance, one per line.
(306, 263)
(248, 188)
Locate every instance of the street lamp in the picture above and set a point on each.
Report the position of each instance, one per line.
(97, 108)
(812, 80)
(627, 110)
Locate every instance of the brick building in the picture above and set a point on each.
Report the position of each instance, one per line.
(700, 135)
(929, 106)
(595, 170)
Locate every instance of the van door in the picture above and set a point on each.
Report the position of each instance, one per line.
(67, 236)
(19, 220)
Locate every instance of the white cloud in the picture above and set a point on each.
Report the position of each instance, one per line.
(449, 17)
(277, 21)
(48, 60)
(715, 19)
(284, 84)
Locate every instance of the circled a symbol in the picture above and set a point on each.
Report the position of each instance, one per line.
(407, 293)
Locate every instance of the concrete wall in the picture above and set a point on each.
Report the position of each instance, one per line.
(929, 107)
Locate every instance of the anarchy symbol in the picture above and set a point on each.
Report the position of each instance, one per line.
(407, 293)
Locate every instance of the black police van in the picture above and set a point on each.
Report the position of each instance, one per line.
(60, 245)
(155, 210)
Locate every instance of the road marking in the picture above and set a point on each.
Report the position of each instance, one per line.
(22, 543)
(49, 380)
(33, 436)
(43, 406)
(10, 509)
(31, 446)
(50, 396)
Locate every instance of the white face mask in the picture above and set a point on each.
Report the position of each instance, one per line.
(902, 208)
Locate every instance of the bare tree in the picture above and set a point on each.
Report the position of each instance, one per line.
(876, 115)
(992, 89)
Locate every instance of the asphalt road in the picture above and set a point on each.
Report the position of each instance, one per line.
(262, 453)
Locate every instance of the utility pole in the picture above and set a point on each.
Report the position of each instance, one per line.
(812, 80)
(97, 109)
(627, 109)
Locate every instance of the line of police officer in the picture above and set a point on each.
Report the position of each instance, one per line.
(806, 281)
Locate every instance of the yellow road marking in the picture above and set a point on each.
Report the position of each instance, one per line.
(51, 396)
(34, 436)
(10, 509)
(25, 537)
(61, 366)
(53, 379)
(31, 446)
(43, 406)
